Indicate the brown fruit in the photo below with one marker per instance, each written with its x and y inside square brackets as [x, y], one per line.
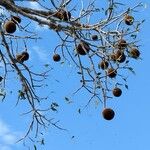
[113, 57]
[122, 44]
[63, 15]
[25, 56]
[19, 58]
[135, 53]
[112, 73]
[129, 20]
[120, 56]
[56, 57]
[16, 19]
[22, 57]
[83, 48]
[117, 92]
[67, 16]
[10, 27]
[104, 65]
[108, 113]
[58, 15]
[94, 37]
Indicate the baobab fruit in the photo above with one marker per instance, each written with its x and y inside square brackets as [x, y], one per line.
[63, 15]
[128, 20]
[25, 56]
[112, 73]
[22, 57]
[19, 58]
[108, 113]
[120, 56]
[117, 92]
[122, 44]
[16, 19]
[66, 15]
[59, 15]
[104, 64]
[10, 27]
[83, 48]
[113, 57]
[94, 37]
[56, 57]
[134, 53]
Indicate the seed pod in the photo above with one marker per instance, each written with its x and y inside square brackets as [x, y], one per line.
[122, 44]
[10, 27]
[113, 57]
[25, 56]
[104, 65]
[120, 56]
[135, 53]
[83, 48]
[129, 20]
[67, 16]
[108, 113]
[56, 57]
[19, 58]
[117, 92]
[94, 37]
[112, 73]
[63, 15]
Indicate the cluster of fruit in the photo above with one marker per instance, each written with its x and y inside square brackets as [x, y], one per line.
[10, 27]
[83, 48]
[119, 55]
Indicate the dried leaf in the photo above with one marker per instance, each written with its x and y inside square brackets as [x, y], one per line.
[126, 86]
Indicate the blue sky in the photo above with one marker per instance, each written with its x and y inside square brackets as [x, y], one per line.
[128, 130]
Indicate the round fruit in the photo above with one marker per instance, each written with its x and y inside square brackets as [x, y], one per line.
[135, 53]
[120, 56]
[113, 57]
[117, 92]
[16, 19]
[108, 113]
[66, 15]
[10, 27]
[56, 57]
[128, 20]
[1, 78]
[19, 58]
[122, 44]
[94, 37]
[59, 15]
[63, 15]
[112, 73]
[104, 65]
[83, 48]
[25, 56]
